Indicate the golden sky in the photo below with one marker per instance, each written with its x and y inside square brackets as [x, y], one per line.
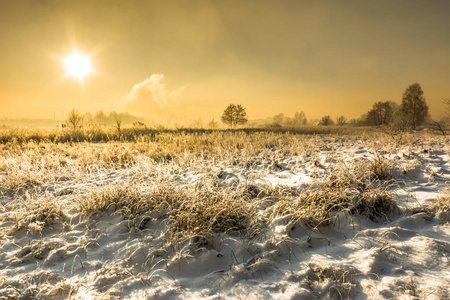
[188, 59]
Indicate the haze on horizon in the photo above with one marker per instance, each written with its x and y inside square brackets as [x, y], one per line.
[184, 60]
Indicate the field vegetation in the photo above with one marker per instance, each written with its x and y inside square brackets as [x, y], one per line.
[138, 212]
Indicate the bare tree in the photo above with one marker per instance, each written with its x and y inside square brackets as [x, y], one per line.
[341, 120]
[414, 107]
[442, 126]
[398, 126]
[447, 102]
[74, 120]
[213, 124]
[300, 118]
[278, 119]
[119, 126]
[326, 121]
[381, 113]
[234, 115]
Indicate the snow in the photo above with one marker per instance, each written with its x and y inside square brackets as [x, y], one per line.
[101, 256]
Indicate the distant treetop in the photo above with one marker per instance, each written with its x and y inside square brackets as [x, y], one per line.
[234, 115]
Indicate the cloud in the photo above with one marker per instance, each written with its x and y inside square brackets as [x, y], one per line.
[154, 89]
[152, 97]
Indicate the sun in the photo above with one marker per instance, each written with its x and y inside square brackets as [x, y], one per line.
[77, 65]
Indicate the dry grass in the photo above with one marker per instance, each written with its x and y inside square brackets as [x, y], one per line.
[101, 134]
[31, 213]
[209, 208]
[178, 185]
[356, 190]
[442, 205]
[209, 211]
[359, 188]
[332, 281]
[190, 210]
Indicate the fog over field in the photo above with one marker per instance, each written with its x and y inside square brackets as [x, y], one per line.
[180, 61]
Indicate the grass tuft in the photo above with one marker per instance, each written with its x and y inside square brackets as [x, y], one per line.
[332, 281]
[377, 204]
[32, 214]
[190, 211]
[208, 211]
[351, 189]
[442, 205]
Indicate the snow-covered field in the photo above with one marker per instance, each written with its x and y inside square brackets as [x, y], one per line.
[259, 216]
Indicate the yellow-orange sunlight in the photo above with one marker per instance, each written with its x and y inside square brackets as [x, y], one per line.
[77, 65]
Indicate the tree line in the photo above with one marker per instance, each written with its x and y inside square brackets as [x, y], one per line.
[411, 113]
[75, 120]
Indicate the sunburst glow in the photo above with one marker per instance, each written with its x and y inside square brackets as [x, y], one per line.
[77, 65]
